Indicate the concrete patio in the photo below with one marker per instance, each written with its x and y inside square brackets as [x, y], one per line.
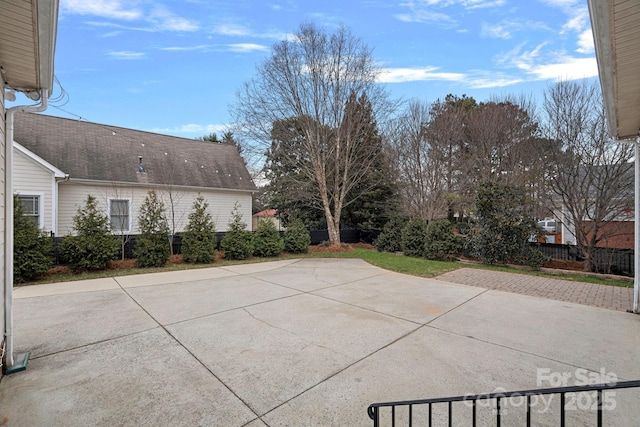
[308, 342]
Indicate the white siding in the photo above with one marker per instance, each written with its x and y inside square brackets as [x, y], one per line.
[2, 210]
[72, 195]
[29, 178]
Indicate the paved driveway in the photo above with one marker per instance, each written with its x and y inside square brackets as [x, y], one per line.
[307, 342]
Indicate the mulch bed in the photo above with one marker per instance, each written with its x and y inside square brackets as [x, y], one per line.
[565, 265]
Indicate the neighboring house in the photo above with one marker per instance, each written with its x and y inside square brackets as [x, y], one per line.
[27, 46]
[59, 162]
[617, 225]
[266, 215]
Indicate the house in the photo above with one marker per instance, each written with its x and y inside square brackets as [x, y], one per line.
[266, 215]
[606, 203]
[27, 46]
[59, 162]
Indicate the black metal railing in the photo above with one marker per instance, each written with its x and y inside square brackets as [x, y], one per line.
[374, 410]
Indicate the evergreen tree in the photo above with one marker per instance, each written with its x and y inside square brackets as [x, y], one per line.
[440, 242]
[373, 200]
[390, 239]
[266, 240]
[199, 239]
[238, 241]
[505, 226]
[297, 238]
[152, 245]
[32, 248]
[414, 237]
[92, 246]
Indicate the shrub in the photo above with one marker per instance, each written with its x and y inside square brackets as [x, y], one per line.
[92, 246]
[505, 227]
[152, 245]
[413, 238]
[32, 248]
[297, 238]
[199, 238]
[440, 242]
[390, 239]
[238, 241]
[266, 240]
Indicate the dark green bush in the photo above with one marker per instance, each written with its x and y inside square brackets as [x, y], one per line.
[440, 242]
[297, 238]
[199, 238]
[266, 239]
[413, 238]
[32, 248]
[238, 241]
[390, 239]
[505, 227]
[92, 246]
[152, 245]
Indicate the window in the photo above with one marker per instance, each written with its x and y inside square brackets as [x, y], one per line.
[120, 214]
[31, 207]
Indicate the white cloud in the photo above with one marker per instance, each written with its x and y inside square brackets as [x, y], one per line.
[403, 75]
[492, 80]
[127, 55]
[159, 16]
[106, 8]
[234, 30]
[585, 42]
[426, 16]
[497, 31]
[429, 11]
[568, 68]
[237, 30]
[186, 48]
[168, 21]
[247, 47]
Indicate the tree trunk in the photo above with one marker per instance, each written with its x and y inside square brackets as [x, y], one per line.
[334, 232]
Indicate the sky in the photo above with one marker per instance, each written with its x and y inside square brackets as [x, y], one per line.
[174, 67]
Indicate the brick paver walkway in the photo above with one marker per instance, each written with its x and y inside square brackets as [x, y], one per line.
[611, 297]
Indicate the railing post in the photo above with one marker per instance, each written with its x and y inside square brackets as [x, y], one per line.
[599, 408]
[561, 409]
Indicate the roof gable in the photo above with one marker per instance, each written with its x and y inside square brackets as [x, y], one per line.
[39, 161]
[91, 151]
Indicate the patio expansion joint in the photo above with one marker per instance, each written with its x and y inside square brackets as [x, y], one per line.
[290, 332]
[418, 327]
[190, 352]
[428, 324]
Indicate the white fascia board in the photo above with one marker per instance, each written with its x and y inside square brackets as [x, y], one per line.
[84, 181]
[57, 173]
[601, 13]
[47, 15]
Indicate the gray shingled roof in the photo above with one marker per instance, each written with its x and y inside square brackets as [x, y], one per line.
[108, 153]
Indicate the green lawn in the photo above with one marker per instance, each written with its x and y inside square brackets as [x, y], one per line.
[394, 262]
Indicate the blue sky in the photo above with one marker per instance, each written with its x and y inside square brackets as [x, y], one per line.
[174, 67]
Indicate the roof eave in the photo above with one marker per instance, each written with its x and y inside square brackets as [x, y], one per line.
[47, 30]
[601, 18]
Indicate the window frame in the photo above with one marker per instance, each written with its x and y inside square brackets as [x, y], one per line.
[129, 214]
[40, 197]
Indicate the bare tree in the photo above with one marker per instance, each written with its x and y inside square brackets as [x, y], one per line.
[119, 202]
[311, 77]
[171, 195]
[591, 176]
[421, 175]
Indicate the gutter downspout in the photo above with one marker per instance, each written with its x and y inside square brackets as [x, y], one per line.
[19, 363]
